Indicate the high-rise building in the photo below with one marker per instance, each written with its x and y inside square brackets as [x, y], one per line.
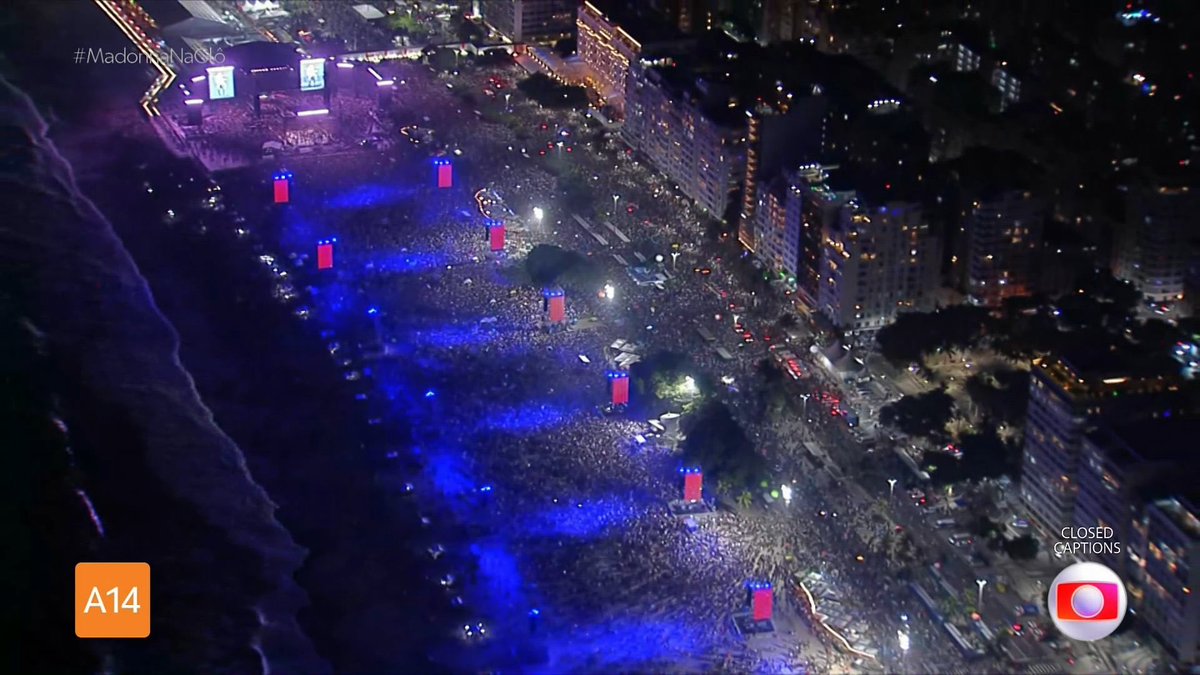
[689, 16]
[1167, 573]
[612, 40]
[682, 123]
[1156, 243]
[820, 202]
[776, 236]
[1120, 464]
[783, 21]
[783, 130]
[995, 225]
[1003, 240]
[880, 258]
[1138, 478]
[530, 20]
[1067, 394]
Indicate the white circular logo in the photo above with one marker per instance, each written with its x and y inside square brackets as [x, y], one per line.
[1087, 601]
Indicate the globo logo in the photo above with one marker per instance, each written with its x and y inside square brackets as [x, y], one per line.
[1087, 601]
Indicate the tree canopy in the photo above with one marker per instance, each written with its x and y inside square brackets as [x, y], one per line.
[551, 94]
[914, 334]
[717, 443]
[984, 455]
[546, 265]
[921, 415]
[1002, 395]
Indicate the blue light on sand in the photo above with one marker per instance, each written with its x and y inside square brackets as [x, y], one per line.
[449, 336]
[405, 261]
[529, 417]
[430, 393]
[500, 574]
[372, 195]
[582, 519]
[448, 472]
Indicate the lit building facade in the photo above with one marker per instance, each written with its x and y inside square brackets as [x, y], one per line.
[530, 20]
[1064, 401]
[875, 263]
[777, 224]
[668, 121]
[608, 51]
[1003, 246]
[1156, 243]
[780, 134]
[1166, 575]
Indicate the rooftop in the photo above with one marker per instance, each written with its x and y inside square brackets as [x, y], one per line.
[637, 20]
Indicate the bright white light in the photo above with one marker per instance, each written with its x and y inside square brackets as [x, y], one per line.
[610, 291]
[584, 358]
[538, 213]
[904, 642]
[786, 491]
[689, 385]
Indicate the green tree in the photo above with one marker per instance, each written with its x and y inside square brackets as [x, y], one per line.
[717, 443]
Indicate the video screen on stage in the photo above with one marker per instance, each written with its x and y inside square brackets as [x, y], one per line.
[312, 74]
[220, 83]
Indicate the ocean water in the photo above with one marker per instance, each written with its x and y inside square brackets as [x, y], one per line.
[161, 481]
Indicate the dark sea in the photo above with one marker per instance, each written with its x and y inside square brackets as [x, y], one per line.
[133, 355]
[115, 455]
[158, 405]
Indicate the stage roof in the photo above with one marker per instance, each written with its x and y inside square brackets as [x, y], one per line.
[194, 19]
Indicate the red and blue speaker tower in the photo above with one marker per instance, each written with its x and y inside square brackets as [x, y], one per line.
[444, 172]
[761, 598]
[554, 304]
[496, 233]
[693, 484]
[283, 187]
[618, 387]
[325, 253]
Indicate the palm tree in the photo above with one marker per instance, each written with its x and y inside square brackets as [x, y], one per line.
[745, 499]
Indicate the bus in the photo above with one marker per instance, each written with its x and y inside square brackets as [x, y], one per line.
[706, 334]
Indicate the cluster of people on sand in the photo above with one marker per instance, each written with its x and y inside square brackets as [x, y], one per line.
[510, 406]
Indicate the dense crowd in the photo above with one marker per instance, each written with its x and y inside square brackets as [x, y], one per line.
[509, 423]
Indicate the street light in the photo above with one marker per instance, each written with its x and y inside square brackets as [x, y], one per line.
[786, 491]
[979, 598]
[616, 198]
[904, 641]
[538, 213]
[891, 487]
[805, 398]
[674, 258]
[610, 291]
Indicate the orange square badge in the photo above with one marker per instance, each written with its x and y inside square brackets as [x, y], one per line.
[112, 600]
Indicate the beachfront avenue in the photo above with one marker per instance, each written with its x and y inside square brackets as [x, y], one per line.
[571, 546]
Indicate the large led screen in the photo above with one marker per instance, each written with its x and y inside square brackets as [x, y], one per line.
[312, 74]
[220, 83]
